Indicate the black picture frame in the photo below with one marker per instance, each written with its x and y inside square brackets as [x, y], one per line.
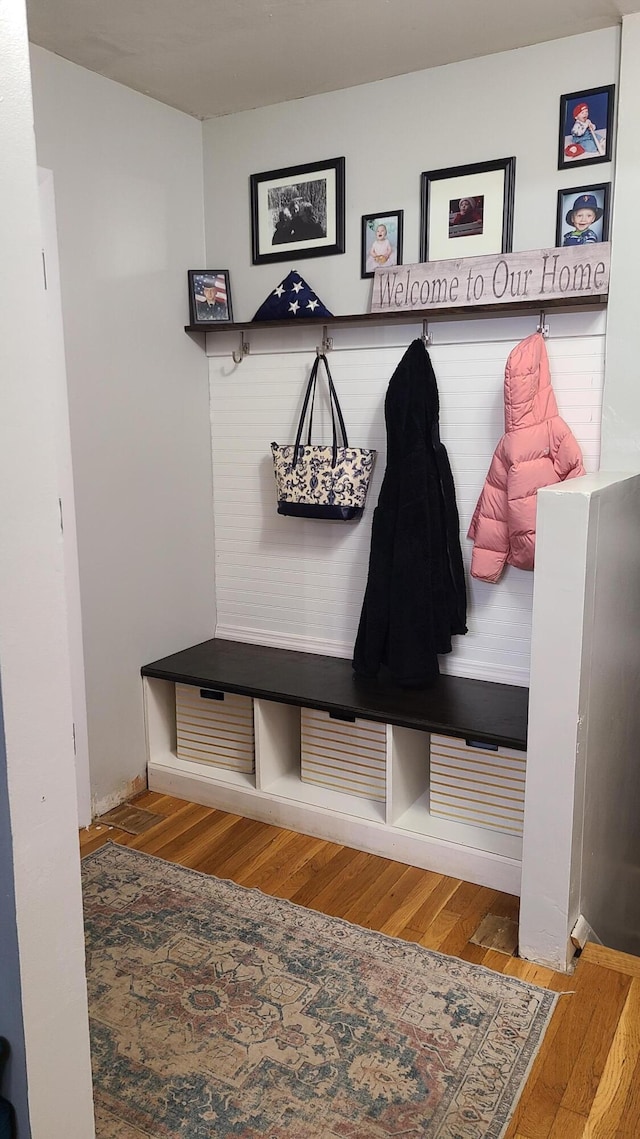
[568, 198]
[393, 221]
[298, 211]
[483, 179]
[600, 103]
[203, 296]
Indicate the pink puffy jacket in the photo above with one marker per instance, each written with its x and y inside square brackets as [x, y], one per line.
[536, 450]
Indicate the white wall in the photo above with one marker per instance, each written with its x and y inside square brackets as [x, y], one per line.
[302, 585]
[57, 373]
[621, 410]
[299, 584]
[610, 711]
[128, 180]
[581, 852]
[551, 842]
[391, 131]
[41, 944]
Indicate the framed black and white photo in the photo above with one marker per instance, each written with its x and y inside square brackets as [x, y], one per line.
[381, 242]
[467, 210]
[298, 211]
[209, 297]
[582, 216]
[586, 127]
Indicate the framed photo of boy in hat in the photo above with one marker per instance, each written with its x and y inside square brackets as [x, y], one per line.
[586, 122]
[583, 215]
[209, 297]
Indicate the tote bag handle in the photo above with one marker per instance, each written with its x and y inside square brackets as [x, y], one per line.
[308, 404]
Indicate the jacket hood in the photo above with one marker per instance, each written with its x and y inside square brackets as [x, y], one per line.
[528, 396]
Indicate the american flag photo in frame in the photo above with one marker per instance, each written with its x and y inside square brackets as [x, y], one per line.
[209, 297]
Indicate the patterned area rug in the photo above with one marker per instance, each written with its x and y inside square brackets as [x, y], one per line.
[218, 1011]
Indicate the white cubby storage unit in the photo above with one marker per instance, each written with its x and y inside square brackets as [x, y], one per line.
[309, 777]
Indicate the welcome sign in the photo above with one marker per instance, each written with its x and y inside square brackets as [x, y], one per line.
[502, 278]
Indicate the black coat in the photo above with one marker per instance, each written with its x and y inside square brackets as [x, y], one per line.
[415, 597]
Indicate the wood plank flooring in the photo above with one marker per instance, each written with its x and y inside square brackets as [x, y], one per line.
[585, 1082]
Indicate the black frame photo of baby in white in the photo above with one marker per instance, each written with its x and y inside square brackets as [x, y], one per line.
[381, 241]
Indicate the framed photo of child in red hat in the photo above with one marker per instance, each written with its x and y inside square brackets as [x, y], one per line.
[586, 127]
[467, 211]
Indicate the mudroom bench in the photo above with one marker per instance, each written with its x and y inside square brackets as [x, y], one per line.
[434, 778]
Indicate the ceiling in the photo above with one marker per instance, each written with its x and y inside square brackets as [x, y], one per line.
[214, 57]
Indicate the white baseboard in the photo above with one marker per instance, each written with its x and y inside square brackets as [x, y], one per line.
[474, 670]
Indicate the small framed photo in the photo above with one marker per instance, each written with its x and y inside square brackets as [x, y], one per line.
[209, 297]
[468, 210]
[586, 122]
[381, 241]
[583, 215]
[298, 211]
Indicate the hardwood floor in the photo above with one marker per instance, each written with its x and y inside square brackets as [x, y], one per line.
[585, 1083]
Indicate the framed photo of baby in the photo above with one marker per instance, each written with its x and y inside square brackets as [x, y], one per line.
[583, 215]
[586, 122]
[381, 241]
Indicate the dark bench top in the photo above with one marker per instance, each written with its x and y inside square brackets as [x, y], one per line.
[474, 709]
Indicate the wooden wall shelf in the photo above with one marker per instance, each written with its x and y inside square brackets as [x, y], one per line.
[467, 312]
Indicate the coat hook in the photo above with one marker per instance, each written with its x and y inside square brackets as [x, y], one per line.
[327, 343]
[426, 335]
[244, 350]
[543, 327]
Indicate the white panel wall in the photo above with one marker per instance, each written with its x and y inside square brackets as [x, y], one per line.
[300, 584]
[128, 179]
[391, 131]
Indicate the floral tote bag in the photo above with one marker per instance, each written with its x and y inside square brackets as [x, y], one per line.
[316, 481]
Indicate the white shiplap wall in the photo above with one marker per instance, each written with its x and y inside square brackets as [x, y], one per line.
[299, 584]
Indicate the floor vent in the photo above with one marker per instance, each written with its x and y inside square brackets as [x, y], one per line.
[497, 933]
[134, 820]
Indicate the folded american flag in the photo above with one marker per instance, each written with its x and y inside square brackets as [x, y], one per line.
[293, 298]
